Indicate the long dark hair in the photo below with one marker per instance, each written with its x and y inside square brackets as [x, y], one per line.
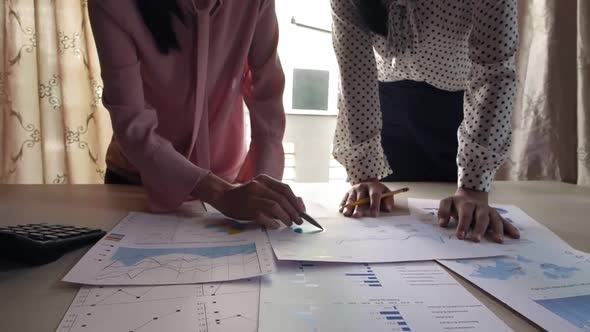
[157, 16]
[374, 14]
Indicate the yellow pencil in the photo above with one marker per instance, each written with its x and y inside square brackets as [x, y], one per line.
[368, 200]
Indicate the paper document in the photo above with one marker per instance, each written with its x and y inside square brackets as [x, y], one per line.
[542, 277]
[421, 296]
[374, 240]
[216, 307]
[550, 288]
[148, 249]
[532, 233]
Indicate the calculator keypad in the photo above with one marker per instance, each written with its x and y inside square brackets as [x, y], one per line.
[47, 232]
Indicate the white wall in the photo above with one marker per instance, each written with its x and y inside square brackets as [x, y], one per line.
[312, 136]
[308, 49]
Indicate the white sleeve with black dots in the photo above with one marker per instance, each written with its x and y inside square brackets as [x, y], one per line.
[357, 141]
[485, 134]
[455, 45]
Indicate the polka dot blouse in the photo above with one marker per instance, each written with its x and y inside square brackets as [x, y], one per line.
[451, 44]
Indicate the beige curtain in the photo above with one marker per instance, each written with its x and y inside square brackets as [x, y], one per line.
[552, 114]
[53, 128]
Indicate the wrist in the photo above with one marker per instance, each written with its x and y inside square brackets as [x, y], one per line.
[211, 188]
[364, 181]
[476, 194]
[475, 180]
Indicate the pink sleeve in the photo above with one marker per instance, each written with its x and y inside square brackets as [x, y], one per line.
[264, 98]
[167, 175]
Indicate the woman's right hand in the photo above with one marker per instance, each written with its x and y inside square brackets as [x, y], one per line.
[371, 189]
[262, 200]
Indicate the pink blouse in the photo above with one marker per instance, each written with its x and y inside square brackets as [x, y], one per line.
[179, 116]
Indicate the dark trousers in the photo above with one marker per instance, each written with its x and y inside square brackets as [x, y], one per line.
[419, 135]
[111, 177]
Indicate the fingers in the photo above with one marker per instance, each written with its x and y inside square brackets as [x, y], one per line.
[375, 196]
[283, 206]
[284, 190]
[444, 212]
[477, 215]
[387, 204]
[362, 193]
[301, 204]
[482, 221]
[465, 214]
[266, 221]
[343, 202]
[496, 227]
[511, 230]
[274, 210]
[352, 196]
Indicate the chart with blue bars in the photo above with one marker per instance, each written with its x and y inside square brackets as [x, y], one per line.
[368, 277]
[395, 315]
[318, 296]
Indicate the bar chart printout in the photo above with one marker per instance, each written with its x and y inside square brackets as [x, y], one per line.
[310, 296]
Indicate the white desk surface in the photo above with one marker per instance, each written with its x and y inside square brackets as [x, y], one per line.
[34, 298]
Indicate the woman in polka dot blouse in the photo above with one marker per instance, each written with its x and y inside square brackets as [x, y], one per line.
[427, 89]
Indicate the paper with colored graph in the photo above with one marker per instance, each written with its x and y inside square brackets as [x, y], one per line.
[149, 249]
[308, 296]
[211, 307]
[541, 277]
[374, 240]
[532, 232]
[548, 287]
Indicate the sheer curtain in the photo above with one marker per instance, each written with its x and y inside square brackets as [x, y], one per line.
[552, 114]
[53, 128]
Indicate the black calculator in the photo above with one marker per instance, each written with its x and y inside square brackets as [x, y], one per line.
[43, 243]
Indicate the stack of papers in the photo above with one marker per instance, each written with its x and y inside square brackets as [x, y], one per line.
[204, 272]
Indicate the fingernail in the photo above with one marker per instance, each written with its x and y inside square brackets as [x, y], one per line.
[478, 238]
[461, 235]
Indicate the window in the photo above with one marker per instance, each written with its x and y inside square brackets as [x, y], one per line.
[337, 171]
[307, 56]
[310, 89]
[289, 174]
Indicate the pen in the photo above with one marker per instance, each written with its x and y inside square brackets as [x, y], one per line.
[310, 220]
[368, 200]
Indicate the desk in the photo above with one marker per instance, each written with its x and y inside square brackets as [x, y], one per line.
[34, 299]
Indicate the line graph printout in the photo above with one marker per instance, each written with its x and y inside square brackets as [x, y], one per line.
[421, 296]
[374, 240]
[147, 249]
[211, 307]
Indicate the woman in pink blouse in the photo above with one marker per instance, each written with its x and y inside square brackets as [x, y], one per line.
[176, 75]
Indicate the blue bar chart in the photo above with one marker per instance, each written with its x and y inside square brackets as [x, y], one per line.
[395, 315]
[366, 277]
[316, 297]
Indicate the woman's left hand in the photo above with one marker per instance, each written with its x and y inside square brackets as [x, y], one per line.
[472, 211]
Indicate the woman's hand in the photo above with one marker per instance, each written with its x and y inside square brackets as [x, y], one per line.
[372, 189]
[472, 211]
[262, 200]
